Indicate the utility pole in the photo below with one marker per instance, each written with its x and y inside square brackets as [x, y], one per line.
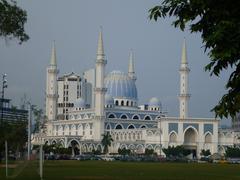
[6, 153]
[41, 160]
[29, 129]
[4, 85]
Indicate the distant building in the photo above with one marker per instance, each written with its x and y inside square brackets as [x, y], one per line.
[70, 87]
[10, 113]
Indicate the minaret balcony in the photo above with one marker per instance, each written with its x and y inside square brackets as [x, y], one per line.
[184, 95]
[184, 69]
[101, 61]
[97, 89]
[52, 96]
[53, 70]
[99, 117]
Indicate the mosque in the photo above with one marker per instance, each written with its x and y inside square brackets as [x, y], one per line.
[80, 110]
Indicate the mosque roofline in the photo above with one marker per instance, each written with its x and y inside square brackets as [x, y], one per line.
[189, 119]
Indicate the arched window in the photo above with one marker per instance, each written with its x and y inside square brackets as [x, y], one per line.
[173, 138]
[111, 116]
[208, 138]
[135, 117]
[143, 127]
[119, 127]
[123, 116]
[127, 103]
[131, 103]
[122, 103]
[108, 127]
[131, 127]
[116, 102]
[147, 118]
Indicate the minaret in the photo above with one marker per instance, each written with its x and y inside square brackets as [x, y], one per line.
[51, 87]
[184, 96]
[131, 72]
[100, 90]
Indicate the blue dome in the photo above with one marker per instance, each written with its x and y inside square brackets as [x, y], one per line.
[79, 103]
[120, 85]
[154, 102]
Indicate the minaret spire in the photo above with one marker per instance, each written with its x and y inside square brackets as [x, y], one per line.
[184, 53]
[184, 96]
[51, 87]
[100, 90]
[131, 71]
[53, 61]
[100, 49]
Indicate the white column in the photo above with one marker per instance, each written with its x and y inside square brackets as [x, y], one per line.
[100, 90]
[184, 96]
[51, 88]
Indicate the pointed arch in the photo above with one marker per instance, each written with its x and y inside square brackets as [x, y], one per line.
[208, 137]
[131, 126]
[136, 116]
[112, 116]
[173, 137]
[124, 116]
[118, 126]
[143, 126]
[147, 117]
[190, 135]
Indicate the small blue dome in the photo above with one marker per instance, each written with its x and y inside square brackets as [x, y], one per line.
[120, 85]
[80, 103]
[154, 102]
[109, 100]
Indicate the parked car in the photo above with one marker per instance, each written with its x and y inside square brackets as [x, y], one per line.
[234, 160]
[107, 158]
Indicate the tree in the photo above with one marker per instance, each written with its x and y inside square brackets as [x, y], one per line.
[205, 152]
[219, 26]
[149, 152]
[178, 151]
[12, 20]
[233, 152]
[124, 151]
[106, 141]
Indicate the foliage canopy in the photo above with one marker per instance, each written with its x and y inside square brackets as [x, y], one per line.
[218, 23]
[12, 20]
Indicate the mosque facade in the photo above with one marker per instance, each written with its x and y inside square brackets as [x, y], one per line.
[80, 110]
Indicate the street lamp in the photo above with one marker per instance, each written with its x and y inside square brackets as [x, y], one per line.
[4, 85]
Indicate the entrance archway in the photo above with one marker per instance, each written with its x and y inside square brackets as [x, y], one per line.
[75, 147]
[190, 141]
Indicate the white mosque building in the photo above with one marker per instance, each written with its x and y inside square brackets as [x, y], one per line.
[80, 110]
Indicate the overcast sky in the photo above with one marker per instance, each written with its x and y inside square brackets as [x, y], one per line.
[74, 25]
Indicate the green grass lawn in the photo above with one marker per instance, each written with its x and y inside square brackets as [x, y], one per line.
[91, 170]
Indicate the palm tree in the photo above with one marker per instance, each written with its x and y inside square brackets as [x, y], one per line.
[106, 141]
